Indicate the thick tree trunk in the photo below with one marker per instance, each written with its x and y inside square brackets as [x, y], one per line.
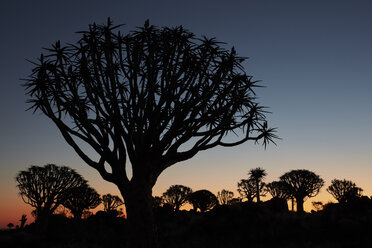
[300, 205]
[141, 225]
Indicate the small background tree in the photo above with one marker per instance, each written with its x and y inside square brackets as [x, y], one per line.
[10, 225]
[203, 200]
[247, 189]
[23, 221]
[302, 184]
[344, 190]
[111, 203]
[257, 175]
[176, 196]
[46, 188]
[80, 199]
[225, 197]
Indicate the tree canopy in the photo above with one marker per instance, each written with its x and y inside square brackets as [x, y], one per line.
[111, 202]
[257, 175]
[203, 200]
[45, 188]
[344, 190]
[225, 197]
[176, 196]
[302, 184]
[80, 199]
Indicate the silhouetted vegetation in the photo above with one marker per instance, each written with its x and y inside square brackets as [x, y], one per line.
[80, 199]
[225, 197]
[302, 184]
[176, 196]
[140, 97]
[257, 175]
[344, 190]
[247, 189]
[46, 188]
[203, 200]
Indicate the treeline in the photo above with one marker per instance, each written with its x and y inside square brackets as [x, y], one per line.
[295, 186]
[221, 220]
[49, 187]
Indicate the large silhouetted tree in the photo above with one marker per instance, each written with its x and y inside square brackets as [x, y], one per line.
[225, 197]
[176, 196]
[45, 188]
[302, 184]
[80, 199]
[344, 190]
[140, 97]
[203, 200]
[257, 175]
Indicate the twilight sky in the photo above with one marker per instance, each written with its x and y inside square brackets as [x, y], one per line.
[314, 57]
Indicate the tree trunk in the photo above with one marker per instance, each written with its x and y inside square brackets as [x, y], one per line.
[300, 205]
[258, 191]
[141, 225]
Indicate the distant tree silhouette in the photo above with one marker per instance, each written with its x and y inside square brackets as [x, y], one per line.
[247, 189]
[111, 202]
[203, 200]
[10, 225]
[277, 189]
[344, 190]
[140, 97]
[23, 221]
[46, 188]
[176, 196]
[318, 205]
[157, 201]
[258, 174]
[302, 184]
[80, 199]
[225, 197]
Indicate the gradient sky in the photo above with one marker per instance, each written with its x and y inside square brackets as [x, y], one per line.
[314, 57]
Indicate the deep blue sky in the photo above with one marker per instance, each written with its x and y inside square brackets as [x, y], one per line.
[313, 56]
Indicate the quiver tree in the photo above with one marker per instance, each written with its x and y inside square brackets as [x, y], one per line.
[247, 189]
[278, 189]
[80, 199]
[344, 190]
[141, 97]
[203, 200]
[176, 196]
[46, 188]
[225, 197]
[23, 221]
[111, 202]
[257, 175]
[302, 184]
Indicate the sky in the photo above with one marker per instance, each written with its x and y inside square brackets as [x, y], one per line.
[313, 57]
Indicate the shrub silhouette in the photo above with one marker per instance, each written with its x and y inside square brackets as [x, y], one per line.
[140, 97]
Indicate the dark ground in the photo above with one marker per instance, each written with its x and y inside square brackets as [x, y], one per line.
[242, 225]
